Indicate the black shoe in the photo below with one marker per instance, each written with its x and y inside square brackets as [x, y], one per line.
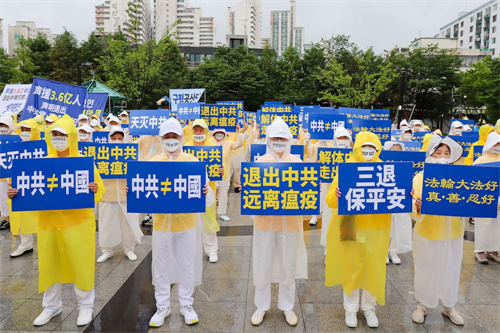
[5, 225]
[236, 190]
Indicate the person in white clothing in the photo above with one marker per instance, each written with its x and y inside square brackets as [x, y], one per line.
[6, 128]
[456, 128]
[85, 133]
[406, 133]
[83, 119]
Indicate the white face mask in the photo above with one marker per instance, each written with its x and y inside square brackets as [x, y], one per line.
[323, 142]
[416, 129]
[83, 137]
[343, 143]
[219, 136]
[171, 145]
[4, 131]
[25, 136]
[115, 141]
[495, 150]
[407, 136]
[439, 160]
[199, 138]
[368, 153]
[60, 143]
[279, 146]
[458, 131]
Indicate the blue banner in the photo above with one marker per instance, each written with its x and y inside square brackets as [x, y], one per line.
[259, 150]
[375, 188]
[465, 142]
[211, 156]
[51, 97]
[166, 187]
[220, 116]
[305, 111]
[5, 138]
[178, 96]
[280, 189]
[100, 137]
[291, 119]
[110, 159]
[464, 121]
[411, 146]
[381, 128]
[378, 114]
[322, 126]
[396, 134]
[329, 158]
[147, 122]
[53, 184]
[188, 111]
[95, 104]
[249, 115]
[418, 136]
[460, 190]
[239, 109]
[352, 114]
[11, 152]
[271, 103]
[416, 157]
[477, 152]
[474, 135]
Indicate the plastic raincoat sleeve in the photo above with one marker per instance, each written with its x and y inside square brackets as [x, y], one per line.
[239, 141]
[483, 135]
[417, 188]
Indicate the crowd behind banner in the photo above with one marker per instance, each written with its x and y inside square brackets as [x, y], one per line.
[379, 189]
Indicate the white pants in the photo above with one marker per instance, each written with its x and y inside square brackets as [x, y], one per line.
[351, 303]
[210, 244]
[222, 192]
[487, 235]
[4, 208]
[26, 241]
[116, 227]
[52, 298]
[286, 298]
[393, 246]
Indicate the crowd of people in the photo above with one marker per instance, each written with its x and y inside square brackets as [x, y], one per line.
[357, 247]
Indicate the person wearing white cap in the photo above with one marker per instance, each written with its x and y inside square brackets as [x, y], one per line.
[278, 249]
[406, 133]
[487, 231]
[116, 226]
[456, 128]
[85, 133]
[6, 128]
[220, 135]
[401, 226]
[403, 122]
[83, 119]
[94, 124]
[437, 243]
[124, 117]
[416, 125]
[177, 252]
[112, 121]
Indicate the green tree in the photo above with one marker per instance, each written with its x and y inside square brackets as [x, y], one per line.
[64, 58]
[91, 50]
[23, 65]
[6, 68]
[40, 55]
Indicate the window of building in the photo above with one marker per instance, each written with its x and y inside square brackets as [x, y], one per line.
[494, 29]
[471, 29]
[472, 18]
[461, 33]
[494, 18]
[493, 40]
[462, 24]
[470, 39]
[495, 7]
[461, 43]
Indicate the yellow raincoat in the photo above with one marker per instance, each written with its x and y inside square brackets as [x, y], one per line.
[357, 250]
[24, 221]
[210, 215]
[66, 238]
[188, 132]
[426, 141]
[483, 135]
[497, 127]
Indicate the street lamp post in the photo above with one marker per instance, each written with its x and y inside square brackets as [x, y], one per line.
[80, 71]
[401, 94]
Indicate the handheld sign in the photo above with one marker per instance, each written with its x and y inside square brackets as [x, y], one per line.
[188, 111]
[147, 122]
[416, 157]
[53, 184]
[322, 126]
[211, 155]
[381, 128]
[258, 150]
[478, 152]
[329, 158]
[220, 116]
[14, 97]
[11, 153]
[100, 137]
[95, 104]
[111, 159]
[465, 141]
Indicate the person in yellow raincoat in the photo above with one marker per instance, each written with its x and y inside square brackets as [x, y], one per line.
[124, 118]
[23, 223]
[487, 230]
[6, 128]
[357, 245]
[49, 120]
[278, 249]
[201, 137]
[66, 238]
[437, 243]
[497, 126]
[483, 135]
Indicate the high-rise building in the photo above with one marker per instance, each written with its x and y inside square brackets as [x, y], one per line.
[191, 27]
[284, 33]
[112, 16]
[476, 29]
[246, 20]
[27, 30]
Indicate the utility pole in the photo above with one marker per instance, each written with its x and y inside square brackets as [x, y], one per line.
[401, 94]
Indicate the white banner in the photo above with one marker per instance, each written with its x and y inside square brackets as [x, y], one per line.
[13, 98]
[178, 96]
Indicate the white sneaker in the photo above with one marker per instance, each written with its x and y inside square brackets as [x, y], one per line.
[371, 318]
[84, 316]
[314, 220]
[131, 256]
[291, 318]
[387, 261]
[104, 257]
[19, 252]
[213, 258]
[257, 318]
[46, 316]
[159, 317]
[351, 320]
[395, 259]
[225, 218]
[190, 316]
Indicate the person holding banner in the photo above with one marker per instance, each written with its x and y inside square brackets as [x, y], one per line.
[83, 119]
[6, 128]
[50, 119]
[66, 238]
[437, 244]
[484, 131]
[24, 223]
[403, 123]
[358, 246]
[220, 136]
[201, 137]
[406, 134]
[85, 133]
[487, 231]
[177, 253]
[96, 127]
[278, 250]
[124, 118]
[456, 128]
[116, 226]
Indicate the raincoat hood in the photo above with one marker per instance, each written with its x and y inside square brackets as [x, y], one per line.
[403, 123]
[7, 120]
[339, 132]
[416, 122]
[405, 129]
[497, 126]
[484, 131]
[426, 141]
[278, 129]
[68, 125]
[172, 125]
[203, 124]
[219, 130]
[389, 144]
[454, 125]
[455, 149]
[35, 128]
[361, 139]
[493, 139]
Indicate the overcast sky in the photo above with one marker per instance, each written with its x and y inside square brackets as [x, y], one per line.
[381, 24]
